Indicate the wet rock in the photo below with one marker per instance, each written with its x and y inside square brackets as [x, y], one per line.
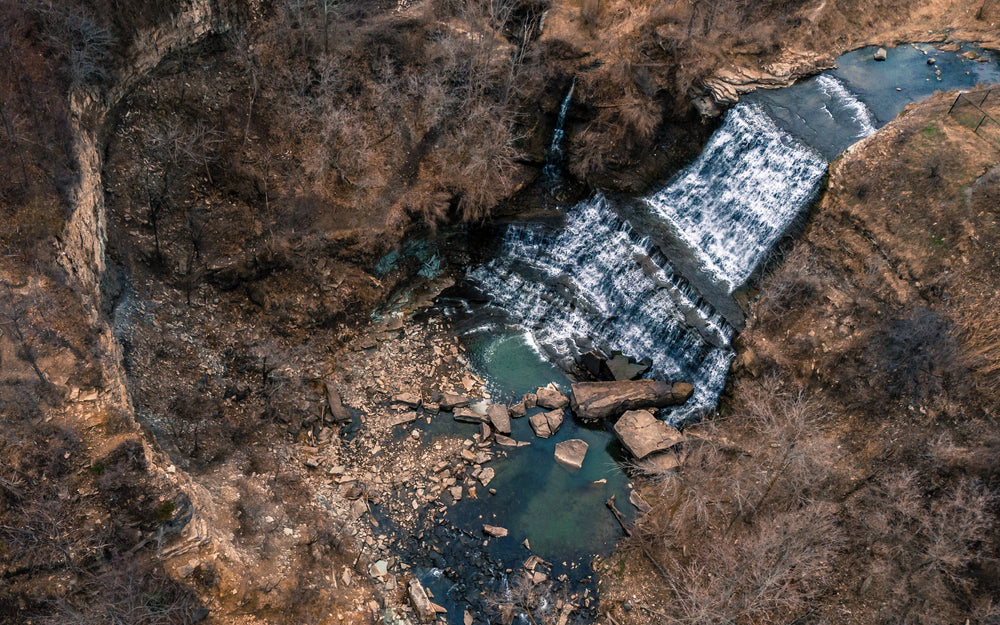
[643, 434]
[450, 401]
[484, 432]
[486, 476]
[411, 400]
[421, 604]
[499, 418]
[402, 418]
[517, 411]
[431, 408]
[465, 415]
[622, 368]
[555, 419]
[495, 531]
[338, 413]
[530, 400]
[570, 453]
[931, 61]
[881, 54]
[505, 441]
[540, 425]
[550, 398]
[456, 493]
[601, 400]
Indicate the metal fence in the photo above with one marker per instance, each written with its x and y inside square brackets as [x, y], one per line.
[979, 110]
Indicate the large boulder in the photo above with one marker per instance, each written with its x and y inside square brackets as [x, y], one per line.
[450, 401]
[570, 453]
[546, 424]
[550, 398]
[592, 401]
[881, 54]
[643, 434]
[499, 418]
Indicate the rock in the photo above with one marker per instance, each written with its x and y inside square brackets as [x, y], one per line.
[622, 368]
[505, 441]
[539, 577]
[540, 425]
[931, 60]
[484, 432]
[518, 410]
[550, 398]
[431, 408]
[421, 604]
[338, 412]
[380, 569]
[456, 493]
[465, 415]
[547, 423]
[499, 418]
[450, 401]
[971, 55]
[507, 613]
[467, 618]
[468, 455]
[571, 453]
[486, 476]
[600, 400]
[592, 362]
[495, 531]
[636, 500]
[643, 434]
[402, 418]
[658, 464]
[530, 400]
[881, 54]
[407, 399]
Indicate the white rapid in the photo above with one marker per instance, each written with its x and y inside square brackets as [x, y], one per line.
[838, 92]
[736, 200]
[597, 282]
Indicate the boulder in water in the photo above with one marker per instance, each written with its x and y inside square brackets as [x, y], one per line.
[547, 423]
[499, 418]
[601, 400]
[622, 368]
[495, 531]
[518, 410]
[464, 415]
[643, 434]
[550, 398]
[450, 401]
[881, 54]
[570, 453]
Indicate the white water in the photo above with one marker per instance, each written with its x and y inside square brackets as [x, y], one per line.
[554, 157]
[597, 280]
[736, 200]
[860, 113]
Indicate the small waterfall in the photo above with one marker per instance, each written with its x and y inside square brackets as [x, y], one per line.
[838, 92]
[734, 202]
[554, 157]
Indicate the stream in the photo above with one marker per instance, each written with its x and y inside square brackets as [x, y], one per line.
[653, 277]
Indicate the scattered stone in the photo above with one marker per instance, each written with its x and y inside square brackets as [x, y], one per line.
[640, 504]
[402, 418]
[495, 531]
[499, 418]
[881, 54]
[450, 401]
[486, 476]
[971, 55]
[456, 493]
[570, 453]
[468, 455]
[931, 60]
[643, 434]
[484, 432]
[431, 408]
[550, 398]
[312, 463]
[415, 435]
[467, 618]
[601, 400]
[539, 577]
[518, 410]
[380, 569]
[530, 400]
[507, 613]
[411, 400]
[505, 441]
[421, 604]
[338, 413]
[465, 415]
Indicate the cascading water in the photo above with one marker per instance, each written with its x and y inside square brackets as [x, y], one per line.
[552, 170]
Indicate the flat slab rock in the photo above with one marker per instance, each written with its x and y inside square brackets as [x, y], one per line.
[570, 453]
[643, 434]
[592, 401]
[499, 418]
[546, 424]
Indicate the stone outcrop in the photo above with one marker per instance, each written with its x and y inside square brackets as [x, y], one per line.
[643, 434]
[592, 401]
[570, 453]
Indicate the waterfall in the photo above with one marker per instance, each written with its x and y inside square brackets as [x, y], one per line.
[735, 201]
[599, 282]
[554, 155]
